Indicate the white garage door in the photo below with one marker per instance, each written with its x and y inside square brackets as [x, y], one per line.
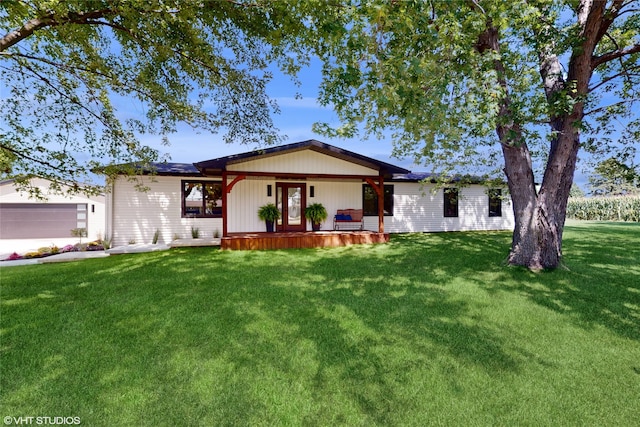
[39, 221]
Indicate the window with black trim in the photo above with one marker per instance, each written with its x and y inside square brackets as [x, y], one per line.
[495, 202]
[370, 200]
[201, 199]
[450, 202]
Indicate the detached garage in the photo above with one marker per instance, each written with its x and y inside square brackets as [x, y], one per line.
[27, 224]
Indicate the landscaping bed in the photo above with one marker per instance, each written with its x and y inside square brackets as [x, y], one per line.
[47, 251]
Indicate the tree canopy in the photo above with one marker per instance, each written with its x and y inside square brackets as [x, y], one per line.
[487, 83]
[83, 80]
[423, 69]
[514, 85]
[611, 177]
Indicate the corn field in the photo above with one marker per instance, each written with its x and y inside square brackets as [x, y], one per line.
[619, 208]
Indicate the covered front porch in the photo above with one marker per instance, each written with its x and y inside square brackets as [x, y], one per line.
[293, 177]
[308, 239]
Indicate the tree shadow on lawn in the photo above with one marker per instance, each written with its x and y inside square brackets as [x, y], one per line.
[328, 325]
[356, 329]
[597, 284]
[336, 328]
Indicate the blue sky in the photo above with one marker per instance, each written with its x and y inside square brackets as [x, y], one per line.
[295, 120]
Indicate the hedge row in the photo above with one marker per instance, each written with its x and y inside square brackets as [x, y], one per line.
[620, 208]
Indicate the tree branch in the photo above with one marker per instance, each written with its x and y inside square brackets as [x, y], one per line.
[72, 70]
[615, 76]
[608, 17]
[67, 97]
[610, 56]
[50, 20]
[33, 159]
[597, 110]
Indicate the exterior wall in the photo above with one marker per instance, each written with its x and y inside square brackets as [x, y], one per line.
[336, 195]
[134, 216]
[306, 162]
[249, 194]
[137, 215]
[417, 209]
[95, 217]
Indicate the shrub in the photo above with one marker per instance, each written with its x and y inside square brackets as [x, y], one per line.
[32, 254]
[79, 232]
[106, 243]
[13, 257]
[195, 232]
[67, 248]
[44, 251]
[94, 246]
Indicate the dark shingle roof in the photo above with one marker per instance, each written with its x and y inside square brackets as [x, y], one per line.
[434, 177]
[175, 169]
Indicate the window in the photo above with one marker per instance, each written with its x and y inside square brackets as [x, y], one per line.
[450, 202]
[370, 200]
[201, 199]
[495, 202]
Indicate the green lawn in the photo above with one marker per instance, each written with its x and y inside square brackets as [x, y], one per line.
[426, 330]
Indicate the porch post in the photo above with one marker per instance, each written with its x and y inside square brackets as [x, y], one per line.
[224, 204]
[381, 204]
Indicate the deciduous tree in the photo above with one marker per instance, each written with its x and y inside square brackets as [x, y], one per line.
[478, 82]
[611, 177]
[81, 80]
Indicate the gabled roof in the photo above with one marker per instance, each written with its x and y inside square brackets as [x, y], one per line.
[220, 164]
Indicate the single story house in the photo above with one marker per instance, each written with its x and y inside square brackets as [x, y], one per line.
[27, 223]
[220, 197]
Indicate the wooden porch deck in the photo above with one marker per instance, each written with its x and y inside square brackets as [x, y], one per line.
[307, 239]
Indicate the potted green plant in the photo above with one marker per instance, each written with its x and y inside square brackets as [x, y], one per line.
[316, 213]
[269, 213]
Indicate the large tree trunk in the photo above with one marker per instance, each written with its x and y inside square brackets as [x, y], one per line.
[539, 220]
[540, 213]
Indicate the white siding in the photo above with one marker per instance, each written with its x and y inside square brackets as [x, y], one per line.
[249, 194]
[135, 215]
[416, 208]
[305, 162]
[243, 203]
[336, 195]
[95, 216]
